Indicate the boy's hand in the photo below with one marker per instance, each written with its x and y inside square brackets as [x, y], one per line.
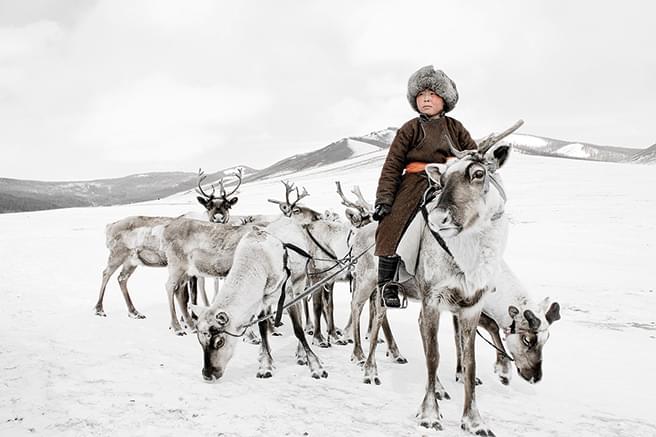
[381, 211]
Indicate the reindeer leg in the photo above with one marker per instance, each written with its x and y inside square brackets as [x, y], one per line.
[502, 367]
[329, 313]
[192, 286]
[317, 304]
[458, 340]
[370, 366]
[202, 292]
[173, 284]
[266, 361]
[306, 311]
[429, 319]
[471, 418]
[216, 288]
[372, 315]
[123, 277]
[113, 263]
[316, 369]
[183, 297]
[392, 347]
[357, 304]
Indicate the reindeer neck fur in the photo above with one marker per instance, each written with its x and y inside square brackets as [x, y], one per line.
[476, 253]
[509, 290]
[255, 280]
[332, 235]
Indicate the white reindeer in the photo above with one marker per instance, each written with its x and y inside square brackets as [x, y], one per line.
[455, 276]
[253, 285]
[510, 310]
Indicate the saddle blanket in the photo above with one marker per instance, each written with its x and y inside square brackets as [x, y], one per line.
[408, 248]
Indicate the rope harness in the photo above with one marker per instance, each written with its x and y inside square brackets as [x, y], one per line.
[345, 263]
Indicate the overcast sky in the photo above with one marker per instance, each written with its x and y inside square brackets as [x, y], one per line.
[94, 89]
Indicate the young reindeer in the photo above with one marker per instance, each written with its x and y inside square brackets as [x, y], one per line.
[459, 260]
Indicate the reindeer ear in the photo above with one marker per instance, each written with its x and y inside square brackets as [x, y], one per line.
[233, 200]
[532, 320]
[353, 216]
[202, 201]
[435, 171]
[513, 311]
[497, 156]
[553, 313]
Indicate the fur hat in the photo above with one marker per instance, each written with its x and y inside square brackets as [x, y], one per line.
[429, 78]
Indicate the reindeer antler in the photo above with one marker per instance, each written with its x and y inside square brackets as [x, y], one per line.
[361, 205]
[201, 177]
[486, 143]
[492, 139]
[361, 200]
[238, 173]
[287, 207]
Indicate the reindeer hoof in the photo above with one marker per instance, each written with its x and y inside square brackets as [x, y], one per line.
[368, 380]
[319, 374]
[401, 360]
[341, 342]
[136, 315]
[276, 334]
[440, 395]
[264, 374]
[478, 430]
[433, 424]
[504, 380]
[301, 361]
[349, 340]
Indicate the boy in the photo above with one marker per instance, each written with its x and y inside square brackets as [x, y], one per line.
[402, 181]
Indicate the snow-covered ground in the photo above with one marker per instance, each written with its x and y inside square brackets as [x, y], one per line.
[581, 232]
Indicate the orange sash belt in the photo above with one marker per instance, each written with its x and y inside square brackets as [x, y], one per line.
[415, 167]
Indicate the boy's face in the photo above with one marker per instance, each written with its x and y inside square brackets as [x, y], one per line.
[429, 103]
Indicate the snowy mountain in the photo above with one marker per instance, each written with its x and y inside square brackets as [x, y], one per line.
[25, 195]
[536, 145]
[19, 195]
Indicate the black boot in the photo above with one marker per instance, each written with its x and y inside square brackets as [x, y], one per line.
[387, 266]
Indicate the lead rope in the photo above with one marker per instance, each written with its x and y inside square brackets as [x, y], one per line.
[306, 292]
[501, 351]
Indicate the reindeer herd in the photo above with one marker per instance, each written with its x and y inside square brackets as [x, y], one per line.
[270, 264]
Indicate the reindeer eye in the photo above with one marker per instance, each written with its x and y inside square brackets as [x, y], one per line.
[526, 340]
[478, 174]
[218, 342]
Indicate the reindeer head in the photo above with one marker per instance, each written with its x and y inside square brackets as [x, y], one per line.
[527, 336]
[290, 207]
[358, 212]
[218, 207]
[218, 347]
[471, 194]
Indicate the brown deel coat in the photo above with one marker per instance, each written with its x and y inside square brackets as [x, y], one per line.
[419, 140]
